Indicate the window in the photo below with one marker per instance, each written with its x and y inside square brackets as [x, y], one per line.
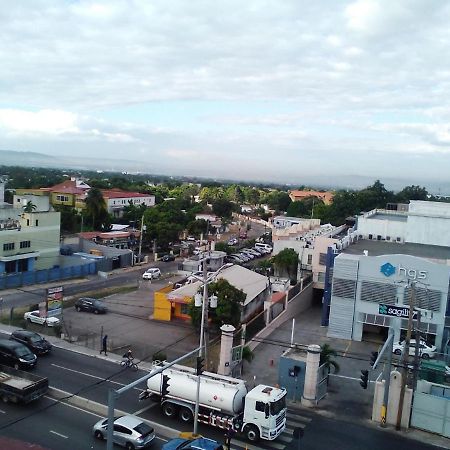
[323, 259]
[309, 259]
[25, 244]
[184, 308]
[8, 247]
[62, 198]
[260, 406]
[37, 222]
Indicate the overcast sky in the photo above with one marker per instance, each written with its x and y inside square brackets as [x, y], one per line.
[273, 90]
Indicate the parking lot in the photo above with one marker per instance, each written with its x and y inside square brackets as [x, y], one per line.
[129, 323]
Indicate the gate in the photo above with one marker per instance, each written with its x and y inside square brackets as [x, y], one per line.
[431, 412]
[322, 382]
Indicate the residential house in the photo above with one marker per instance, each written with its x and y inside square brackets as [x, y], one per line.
[116, 200]
[172, 304]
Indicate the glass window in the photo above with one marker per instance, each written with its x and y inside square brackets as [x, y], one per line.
[278, 406]
[260, 406]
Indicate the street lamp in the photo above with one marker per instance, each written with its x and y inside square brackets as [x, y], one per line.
[202, 300]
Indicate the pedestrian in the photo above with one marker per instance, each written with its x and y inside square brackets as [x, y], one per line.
[228, 435]
[104, 344]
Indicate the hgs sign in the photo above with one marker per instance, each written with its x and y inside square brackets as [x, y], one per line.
[388, 269]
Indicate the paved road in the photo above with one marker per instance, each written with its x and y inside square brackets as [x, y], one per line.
[30, 295]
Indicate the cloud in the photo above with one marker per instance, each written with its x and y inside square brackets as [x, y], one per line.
[250, 80]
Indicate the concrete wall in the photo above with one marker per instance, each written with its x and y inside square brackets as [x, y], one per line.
[384, 228]
[296, 305]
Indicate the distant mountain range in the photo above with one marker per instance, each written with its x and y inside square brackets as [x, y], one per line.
[35, 159]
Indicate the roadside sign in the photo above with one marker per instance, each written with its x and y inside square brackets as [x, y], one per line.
[395, 311]
[236, 353]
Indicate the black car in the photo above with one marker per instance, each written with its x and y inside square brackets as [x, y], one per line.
[167, 258]
[90, 305]
[34, 341]
[16, 355]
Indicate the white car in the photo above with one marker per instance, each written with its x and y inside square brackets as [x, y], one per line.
[34, 317]
[151, 273]
[425, 351]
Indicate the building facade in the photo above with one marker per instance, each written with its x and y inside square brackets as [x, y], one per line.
[362, 282]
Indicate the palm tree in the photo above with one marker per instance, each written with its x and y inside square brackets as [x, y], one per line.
[29, 207]
[95, 206]
[326, 358]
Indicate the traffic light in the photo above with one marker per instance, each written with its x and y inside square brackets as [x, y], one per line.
[373, 358]
[165, 385]
[200, 362]
[364, 378]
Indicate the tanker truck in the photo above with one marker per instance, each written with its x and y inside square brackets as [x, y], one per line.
[224, 402]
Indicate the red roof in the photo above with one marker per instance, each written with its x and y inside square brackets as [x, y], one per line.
[117, 193]
[66, 187]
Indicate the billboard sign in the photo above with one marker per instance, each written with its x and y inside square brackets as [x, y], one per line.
[395, 311]
[54, 301]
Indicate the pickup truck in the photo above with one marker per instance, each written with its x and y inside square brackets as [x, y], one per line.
[17, 386]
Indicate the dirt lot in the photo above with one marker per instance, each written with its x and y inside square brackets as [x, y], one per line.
[128, 323]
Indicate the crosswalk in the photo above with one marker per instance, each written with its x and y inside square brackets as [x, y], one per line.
[296, 418]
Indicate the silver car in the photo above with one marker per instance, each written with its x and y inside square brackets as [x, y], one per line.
[130, 432]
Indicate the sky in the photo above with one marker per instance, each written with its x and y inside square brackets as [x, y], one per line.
[257, 90]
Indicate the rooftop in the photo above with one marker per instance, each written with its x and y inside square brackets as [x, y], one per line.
[250, 282]
[391, 217]
[378, 248]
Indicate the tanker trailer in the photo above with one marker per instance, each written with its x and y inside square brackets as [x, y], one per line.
[224, 402]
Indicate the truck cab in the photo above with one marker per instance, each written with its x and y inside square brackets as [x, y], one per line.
[264, 413]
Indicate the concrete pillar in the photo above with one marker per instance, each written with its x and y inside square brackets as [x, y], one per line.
[309, 397]
[226, 345]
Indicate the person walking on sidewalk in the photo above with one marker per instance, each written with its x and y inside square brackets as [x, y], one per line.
[104, 344]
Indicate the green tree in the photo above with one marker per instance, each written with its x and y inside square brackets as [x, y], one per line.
[326, 357]
[229, 305]
[96, 210]
[29, 207]
[223, 208]
[287, 261]
[197, 227]
[412, 193]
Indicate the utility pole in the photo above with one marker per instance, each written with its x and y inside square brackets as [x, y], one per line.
[387, 378]
[140, 237]
[416, 350]
[405, 355]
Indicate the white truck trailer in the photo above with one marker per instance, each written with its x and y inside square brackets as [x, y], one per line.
[223, 402]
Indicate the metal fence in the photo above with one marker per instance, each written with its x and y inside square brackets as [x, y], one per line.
[16, 280]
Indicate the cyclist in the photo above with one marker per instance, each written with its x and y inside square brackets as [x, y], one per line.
[129, 356]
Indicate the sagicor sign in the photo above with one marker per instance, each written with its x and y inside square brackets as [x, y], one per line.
[394, 311]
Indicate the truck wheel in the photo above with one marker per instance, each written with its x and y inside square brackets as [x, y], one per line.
[169, 410]
[16, 366]
[77, 308]
[185, 415]
[252, 433]
[425, 356]
[398, 352]
[99, 435]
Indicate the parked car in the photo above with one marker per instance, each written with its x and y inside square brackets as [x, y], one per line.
[244, 257]
[151, 273]
[90, 305]
[253, 252]
[232, 241]
[167, 258]
[35, 317]
[34, 341]
[425, 351]
[16, 355]
[197, 444]
[130, 432]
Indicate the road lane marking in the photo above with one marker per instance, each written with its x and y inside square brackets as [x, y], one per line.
[2, 412]
[74, 407]
[93, 376]
[146, 408]
[347, 348]
[348, 378]
[59, 434]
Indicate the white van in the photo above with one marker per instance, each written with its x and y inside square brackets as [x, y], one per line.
[265, 247]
